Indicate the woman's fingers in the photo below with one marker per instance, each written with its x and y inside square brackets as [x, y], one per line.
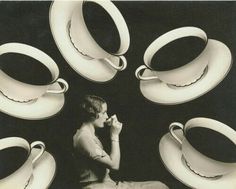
[115, 123]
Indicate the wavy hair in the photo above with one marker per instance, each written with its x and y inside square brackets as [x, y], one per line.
[90, 106]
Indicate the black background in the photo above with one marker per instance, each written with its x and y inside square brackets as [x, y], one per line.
[144, 122]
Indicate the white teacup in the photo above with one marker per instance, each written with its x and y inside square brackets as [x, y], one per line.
[23, 92]
[198, 162]
[180, 76]
[20, 178]
[85, 43]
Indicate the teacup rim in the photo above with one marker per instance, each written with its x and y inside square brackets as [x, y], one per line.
[148, 63]
[56, 72]
[189, 125]
[180, 67]
[124, 44]
[27, 159]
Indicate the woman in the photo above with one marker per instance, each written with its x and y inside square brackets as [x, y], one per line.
[93, 163]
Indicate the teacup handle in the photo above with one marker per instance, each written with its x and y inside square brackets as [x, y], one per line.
[140, 77]
[171, 129]
[42, 149]
[64, 88]
[121, 67]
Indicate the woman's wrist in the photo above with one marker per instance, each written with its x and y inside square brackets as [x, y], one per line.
[115, 138]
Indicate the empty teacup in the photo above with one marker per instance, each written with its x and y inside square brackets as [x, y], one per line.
[197, 161]
[20, 169]
[24, 92]
[86, 44]
[180, 76]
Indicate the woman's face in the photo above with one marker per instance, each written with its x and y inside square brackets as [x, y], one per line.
[102, 117]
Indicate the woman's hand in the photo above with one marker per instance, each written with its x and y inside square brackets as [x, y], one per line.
[116, 127]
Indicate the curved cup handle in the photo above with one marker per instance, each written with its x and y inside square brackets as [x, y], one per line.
[59, 91]
[171, 129]
[140, 77]
[121, 67]
[42, 149]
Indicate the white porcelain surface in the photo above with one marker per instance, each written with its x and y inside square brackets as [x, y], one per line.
[44, 107]
[171, 155]
[19, 178]
[220, 60]
[182, 75]
[94, 70]
[84, 40]
[43, 172]
[206, 166]
[20, 91]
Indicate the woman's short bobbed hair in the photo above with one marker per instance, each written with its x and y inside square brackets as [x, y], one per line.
[90, 106]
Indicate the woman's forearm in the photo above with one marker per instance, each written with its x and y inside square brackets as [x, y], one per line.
[115, 152]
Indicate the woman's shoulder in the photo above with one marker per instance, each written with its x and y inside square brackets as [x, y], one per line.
[85, 143]
[80, 134]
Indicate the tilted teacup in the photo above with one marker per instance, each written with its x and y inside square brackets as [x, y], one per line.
[183, 75]
[20, 178]
[195, 160]
[85, 43]
[24, 92]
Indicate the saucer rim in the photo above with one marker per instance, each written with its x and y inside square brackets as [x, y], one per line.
[54, 111]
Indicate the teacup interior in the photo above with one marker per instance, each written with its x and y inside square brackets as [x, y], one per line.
[105, 34]
[177, 53]
[11, 159]
[212, 144]
[25, 69]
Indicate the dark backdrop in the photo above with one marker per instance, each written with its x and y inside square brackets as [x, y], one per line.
[144, 122]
